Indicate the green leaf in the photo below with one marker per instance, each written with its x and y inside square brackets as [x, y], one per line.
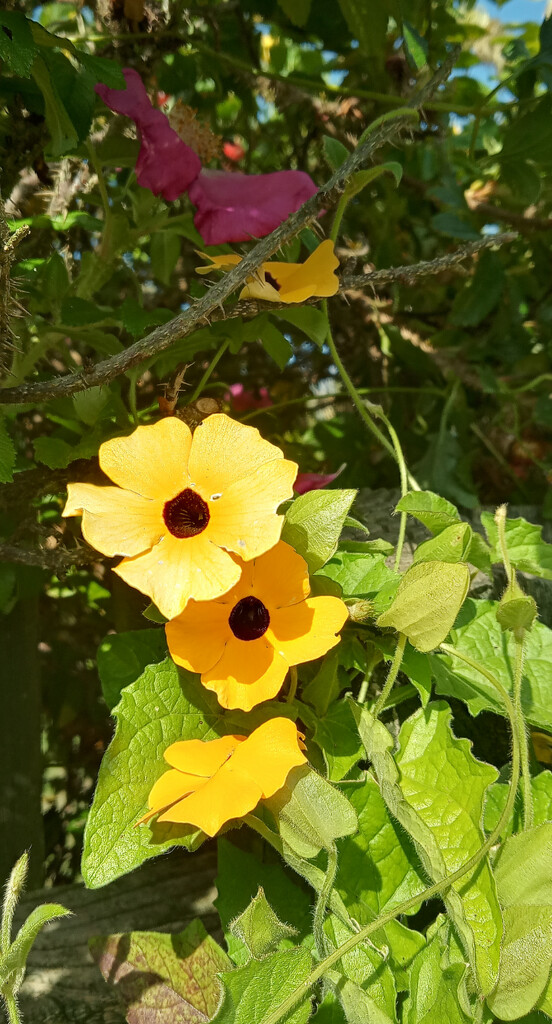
[361, 179]
[102, 69]
[296, 10]
[451, 545]
[166, 979]
[415, 665]
[57, 454]
[479, 635]
[430, 509]
[337, 735]
[527, 550]
[529, 136]
[240, 874]
[416, 46]
[335, 152]
[123, 657]
[365, 983]
[14, 960]
[432, 998]
[308, 319]
[163, 705]
[63, 134]
[89, 404]
[17, 46]
[7, 454]
[359, 574]
[136, 320]
[276, 345]
[525, 891]
[443, 468]
[314, 522]
[257, 989]
[367, 23]
[74, 88]
[260, 928]
[327, 683]
[164, 250]
[433, 769]
[541, 789]
[77, 312]
[310, 812]
[427, 602]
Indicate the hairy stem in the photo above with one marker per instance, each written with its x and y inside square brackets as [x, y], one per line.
[522, 736]
[12, 1009]
[218, 355]
[322, 902]
[391, 676]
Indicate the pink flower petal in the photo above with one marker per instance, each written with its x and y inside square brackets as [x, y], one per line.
[165, 165]
[314, 481]
[242, 400]
[234, 207]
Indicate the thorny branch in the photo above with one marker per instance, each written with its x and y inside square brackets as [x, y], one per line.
[185, 323]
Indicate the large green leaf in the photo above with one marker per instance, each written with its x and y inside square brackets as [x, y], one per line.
[337, 735]
[359, 574]
[524, 884]
[427, 602]
[370, 994]
[435, 788]
[163, 705]
[527, 550]
[432, 998]
[541, 789]
[314, 522]
[17, 46]
[163, 979]
[431, 509]
[478, 635]
[258, 988]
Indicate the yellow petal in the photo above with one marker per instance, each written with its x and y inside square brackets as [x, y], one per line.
[224, 451]
[226, 262]
[248, 672]
[171, 787]
[226, 796]
[259, 288]
[152, 460]
[115, 521]
[196, 638]
[269, 754]
[201, 757]
[243, 519]
[280, 577]
[300, 281]
[176, 570]
[306, 631]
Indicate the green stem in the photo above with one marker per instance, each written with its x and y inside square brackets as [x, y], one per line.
[508, 703]
[438, 888]
[522, 737]
[13, 1009]
[340, 210]
[356, 399]
[328, 399]
[500, 520]
[403, 472]
[218, 355]
[391, 676]
[322, 902]
[103, 190]
[292, 684]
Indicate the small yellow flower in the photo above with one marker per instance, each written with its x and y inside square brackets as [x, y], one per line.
[216, 781]
[183, 502]
[286, 282]
[243, 643]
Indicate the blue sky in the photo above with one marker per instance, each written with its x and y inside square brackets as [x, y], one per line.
[516, 10]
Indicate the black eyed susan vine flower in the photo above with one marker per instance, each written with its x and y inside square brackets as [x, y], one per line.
[212, 782]
[244, 642]
[286, 282]
[181, 504]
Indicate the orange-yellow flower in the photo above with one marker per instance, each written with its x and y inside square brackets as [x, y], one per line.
[286, 282]
[183, 502]
[244, 642]
[213, 782]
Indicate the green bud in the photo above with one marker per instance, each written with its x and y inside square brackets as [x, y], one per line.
[260, 928]
[311, 813]
[517, 611]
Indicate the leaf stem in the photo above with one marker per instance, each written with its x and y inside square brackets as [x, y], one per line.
[92, 156]
[522, 736]
[500, 520]
[391, 676]
[403, 472]
[322, 902]
[292, 684]
[12, 1008]
[218, 355]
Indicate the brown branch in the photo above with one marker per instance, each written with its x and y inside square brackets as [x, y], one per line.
[184, 324]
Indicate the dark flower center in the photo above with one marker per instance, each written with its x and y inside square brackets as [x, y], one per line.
[249, 619]
[186, 515]
[272, 280]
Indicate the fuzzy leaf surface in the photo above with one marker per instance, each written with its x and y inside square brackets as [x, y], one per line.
[432, 997]
[314, 522]
[427, 602]
[527, 550]
[259, 987]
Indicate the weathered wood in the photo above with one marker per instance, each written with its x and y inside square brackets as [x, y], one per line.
[63, 985]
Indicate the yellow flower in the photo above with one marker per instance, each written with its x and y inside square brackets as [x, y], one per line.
[243, 643]
[286, 282]
[213, 782]
[181, 503]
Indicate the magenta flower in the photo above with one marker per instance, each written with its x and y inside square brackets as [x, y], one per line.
[314, 481]
[165, 165]
[234, 207]
[242, 400]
